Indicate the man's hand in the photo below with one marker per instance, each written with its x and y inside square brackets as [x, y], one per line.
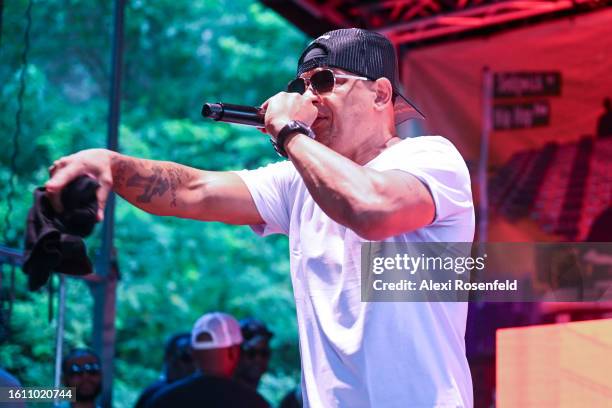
[157, 187]
[285, 107]
[95, 163]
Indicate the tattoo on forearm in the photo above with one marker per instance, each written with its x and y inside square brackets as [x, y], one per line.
[129, 173]
[152, 185]
[175, 179]
[121, 167]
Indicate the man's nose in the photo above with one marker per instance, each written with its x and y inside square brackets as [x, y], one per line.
[310, 94]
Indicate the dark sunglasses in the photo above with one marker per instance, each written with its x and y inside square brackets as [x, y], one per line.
[89, 368]
[252, 353]
[322, 82]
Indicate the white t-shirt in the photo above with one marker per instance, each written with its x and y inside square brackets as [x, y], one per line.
[371, 354]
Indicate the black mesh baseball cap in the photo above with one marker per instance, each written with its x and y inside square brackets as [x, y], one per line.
[362, 52]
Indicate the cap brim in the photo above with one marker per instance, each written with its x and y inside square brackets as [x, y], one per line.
[209, 345]
[405, 110]
[248, 344]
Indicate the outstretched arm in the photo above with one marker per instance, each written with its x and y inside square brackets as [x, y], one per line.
[158, 187]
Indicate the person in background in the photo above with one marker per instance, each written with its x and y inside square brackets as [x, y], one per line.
[215, 341]
[604, 123]
[293, 399]
[255, 351]
[81, 369]
[7, 380]
[178, 364]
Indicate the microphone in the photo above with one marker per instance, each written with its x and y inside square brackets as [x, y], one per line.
[243, 115]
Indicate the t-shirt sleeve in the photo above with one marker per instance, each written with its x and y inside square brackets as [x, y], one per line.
[439, 166]
[269, 186]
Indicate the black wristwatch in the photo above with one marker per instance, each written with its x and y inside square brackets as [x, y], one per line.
[289, 128]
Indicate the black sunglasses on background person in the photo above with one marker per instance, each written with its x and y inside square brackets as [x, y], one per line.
[89, 368]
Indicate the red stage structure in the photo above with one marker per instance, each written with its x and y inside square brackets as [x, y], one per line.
[408, 22]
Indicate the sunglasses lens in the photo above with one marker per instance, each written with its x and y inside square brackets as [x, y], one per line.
[323, 81]
[298, 85]
[92, 368]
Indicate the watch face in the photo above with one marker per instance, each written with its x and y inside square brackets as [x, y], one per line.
[292, 126]
[301, 127]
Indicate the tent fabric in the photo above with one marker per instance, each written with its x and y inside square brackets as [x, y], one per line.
[540, 186]
[445, 81]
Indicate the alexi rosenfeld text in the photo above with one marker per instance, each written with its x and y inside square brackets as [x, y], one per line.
[429, 267]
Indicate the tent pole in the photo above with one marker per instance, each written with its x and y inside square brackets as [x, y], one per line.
[487, 103]
[59, 333]
[104, 292]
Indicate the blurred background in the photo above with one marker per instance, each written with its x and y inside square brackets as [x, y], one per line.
[522, 88]
[177, 55]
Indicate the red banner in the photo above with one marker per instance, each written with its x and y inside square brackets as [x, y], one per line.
[547, 180]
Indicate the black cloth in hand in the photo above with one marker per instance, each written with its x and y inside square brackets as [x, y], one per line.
[53, 240]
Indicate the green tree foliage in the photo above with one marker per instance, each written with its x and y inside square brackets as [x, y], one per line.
[178, 54]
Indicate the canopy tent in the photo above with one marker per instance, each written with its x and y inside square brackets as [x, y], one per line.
[415, 21]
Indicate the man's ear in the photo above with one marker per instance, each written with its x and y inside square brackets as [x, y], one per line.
[384, 93]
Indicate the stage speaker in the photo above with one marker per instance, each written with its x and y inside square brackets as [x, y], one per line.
[557, 365]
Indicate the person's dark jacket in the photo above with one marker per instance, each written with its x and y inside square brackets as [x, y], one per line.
[149, 392]
[206, 391]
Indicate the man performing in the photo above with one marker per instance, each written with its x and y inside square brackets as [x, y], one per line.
[349, 179]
